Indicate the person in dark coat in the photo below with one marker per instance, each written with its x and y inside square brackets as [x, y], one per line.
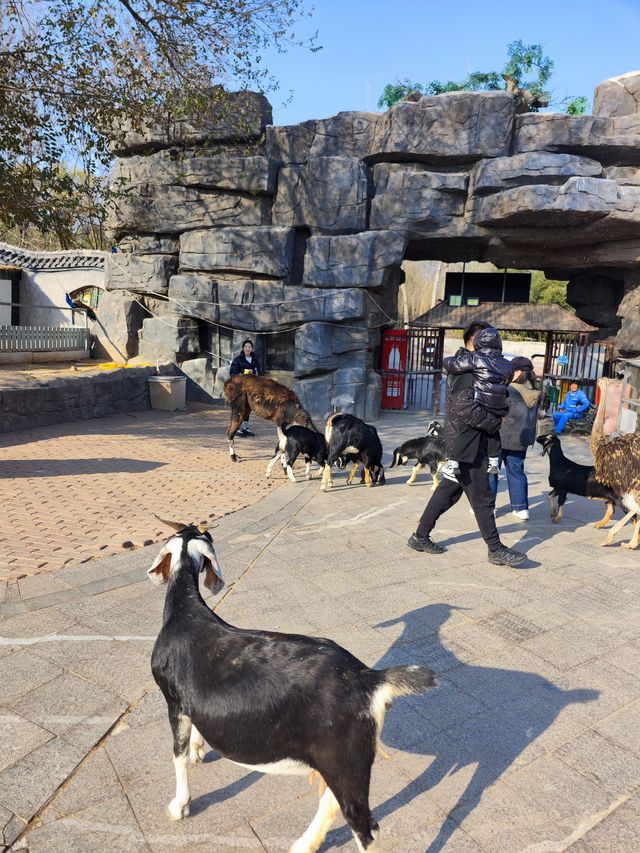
[489, 403]
[518, 433]
[246, 362]
[472, 480]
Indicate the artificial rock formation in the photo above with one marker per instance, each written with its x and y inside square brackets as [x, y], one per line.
[234, 225]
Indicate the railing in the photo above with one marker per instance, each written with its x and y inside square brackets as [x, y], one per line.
[43, 338]
[40, 338]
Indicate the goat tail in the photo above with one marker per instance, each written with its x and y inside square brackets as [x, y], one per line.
[397, 681]
[407, 680]
[396, 458]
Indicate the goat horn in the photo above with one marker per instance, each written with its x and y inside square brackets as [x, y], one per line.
[175, 525]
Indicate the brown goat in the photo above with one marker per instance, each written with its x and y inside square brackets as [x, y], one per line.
[266, 398]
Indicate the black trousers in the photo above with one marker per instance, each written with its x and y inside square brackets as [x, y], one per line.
[474, 483]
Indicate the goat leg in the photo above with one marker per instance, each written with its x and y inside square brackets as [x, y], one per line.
[328, 810]
[272, 462]
[635, 539]
[436, 478]
[605, 519]
[181, 729]
[414, 473]
[552, 509]
[196, 746]
[612, 533]
[354, 470]
[288, 467]
[327, 482]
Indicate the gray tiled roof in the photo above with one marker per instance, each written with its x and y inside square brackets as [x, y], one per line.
[512, 316]
[34, 260]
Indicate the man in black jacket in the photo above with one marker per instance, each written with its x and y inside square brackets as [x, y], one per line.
[472, 480]
[246, 362]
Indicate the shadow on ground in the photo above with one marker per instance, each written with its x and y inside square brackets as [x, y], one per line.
[519, 707]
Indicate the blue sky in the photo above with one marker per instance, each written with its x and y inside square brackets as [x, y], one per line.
[368, 44]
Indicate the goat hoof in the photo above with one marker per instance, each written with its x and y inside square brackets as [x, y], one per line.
[177, 810]
[555, 519]
[629, 545]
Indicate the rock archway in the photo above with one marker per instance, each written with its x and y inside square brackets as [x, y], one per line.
[253, 228]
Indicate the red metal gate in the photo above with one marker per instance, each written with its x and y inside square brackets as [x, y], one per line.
[411, 368]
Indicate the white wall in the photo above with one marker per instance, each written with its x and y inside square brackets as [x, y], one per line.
[526, 348]
[48, 288]
[5, 296]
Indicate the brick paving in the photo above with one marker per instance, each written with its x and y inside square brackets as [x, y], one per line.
[74, 492]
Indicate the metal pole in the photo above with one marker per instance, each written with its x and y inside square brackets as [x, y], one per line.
[464, 266]
[504, 284]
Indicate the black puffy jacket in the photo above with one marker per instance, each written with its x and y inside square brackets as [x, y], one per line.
[491, 372]
[241, 365]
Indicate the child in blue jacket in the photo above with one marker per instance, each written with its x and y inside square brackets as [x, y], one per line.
[574, 405]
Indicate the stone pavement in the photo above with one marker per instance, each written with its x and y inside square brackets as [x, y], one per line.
[531, 741]
[76, 491]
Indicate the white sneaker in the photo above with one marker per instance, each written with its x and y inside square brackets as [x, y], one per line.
[522, 514]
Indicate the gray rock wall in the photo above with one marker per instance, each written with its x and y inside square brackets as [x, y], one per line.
[230, 221]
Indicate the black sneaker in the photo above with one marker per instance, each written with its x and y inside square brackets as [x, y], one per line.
[248, 434]
[506, 557]
[418, 543]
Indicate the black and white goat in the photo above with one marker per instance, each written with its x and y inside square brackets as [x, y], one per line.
[428, 450]
[275, 703]
[345, 435]
[567, 477]
[294, 441]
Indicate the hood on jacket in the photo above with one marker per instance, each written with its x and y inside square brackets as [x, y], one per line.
[529, 395]
[488, 339]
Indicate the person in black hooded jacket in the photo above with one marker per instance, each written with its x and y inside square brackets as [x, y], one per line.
[473, 480]
[488, 402]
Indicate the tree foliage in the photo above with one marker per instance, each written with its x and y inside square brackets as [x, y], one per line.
[526, 73]
[73, 72]
[549, 291]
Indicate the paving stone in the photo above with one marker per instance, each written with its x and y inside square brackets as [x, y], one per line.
[618, 832]
[12, 825]
[93, 782]
[151, 708]
[22, 671]
[571, 644]
[19, 737]
[29, 783]
[109, 825]
[69, 706]
[567, 798]
[609, 765]
[623, 728]
[123, 668]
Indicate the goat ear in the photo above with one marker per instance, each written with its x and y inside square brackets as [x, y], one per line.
[160, 568]
[211, 567]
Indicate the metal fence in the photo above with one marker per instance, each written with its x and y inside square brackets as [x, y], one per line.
[411, 370]
[43, 338]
